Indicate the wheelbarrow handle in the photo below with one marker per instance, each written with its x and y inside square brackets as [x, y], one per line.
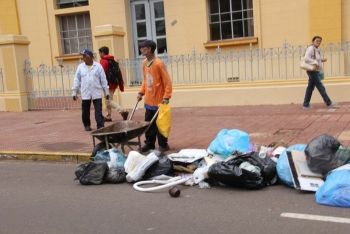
[133, 110]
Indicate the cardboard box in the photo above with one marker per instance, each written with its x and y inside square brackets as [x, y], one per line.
[303, 178]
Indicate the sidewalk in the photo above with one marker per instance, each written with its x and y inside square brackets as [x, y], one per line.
[61, 132]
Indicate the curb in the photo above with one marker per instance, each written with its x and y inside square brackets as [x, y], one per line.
[45, 156]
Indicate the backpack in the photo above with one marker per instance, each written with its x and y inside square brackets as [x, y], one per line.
[113, 75]
[91, 172]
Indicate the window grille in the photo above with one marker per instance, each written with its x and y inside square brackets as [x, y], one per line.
[75, 33]
[71, 3]
[230, 19]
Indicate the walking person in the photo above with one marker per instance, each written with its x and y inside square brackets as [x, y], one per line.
[156, 88]
[313, 56]
[90, 79]
[108, 63]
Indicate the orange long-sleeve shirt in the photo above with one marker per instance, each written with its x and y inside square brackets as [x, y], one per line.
[156, 83]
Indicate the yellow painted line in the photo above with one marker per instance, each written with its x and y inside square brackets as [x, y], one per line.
[45, 156]
[316, 218]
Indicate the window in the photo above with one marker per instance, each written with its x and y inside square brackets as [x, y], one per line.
[75, 33]
[71, 3]
[230, 19]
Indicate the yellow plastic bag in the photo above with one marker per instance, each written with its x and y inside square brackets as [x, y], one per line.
[164, 120]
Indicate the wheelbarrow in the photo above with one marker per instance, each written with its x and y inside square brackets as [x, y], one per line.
[121, 133]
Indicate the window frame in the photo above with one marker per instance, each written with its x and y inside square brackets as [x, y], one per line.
[246, 20]
[86, 32]
[61, 4]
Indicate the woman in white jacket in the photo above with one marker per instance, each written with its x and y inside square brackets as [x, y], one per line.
[313, 56]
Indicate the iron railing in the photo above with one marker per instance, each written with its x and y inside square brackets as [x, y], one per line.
[194, 69]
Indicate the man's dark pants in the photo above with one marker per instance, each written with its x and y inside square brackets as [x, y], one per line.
[85, 106]
[153, 132]
[314, 81]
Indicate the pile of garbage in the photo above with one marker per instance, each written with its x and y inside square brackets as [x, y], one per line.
[230, 160]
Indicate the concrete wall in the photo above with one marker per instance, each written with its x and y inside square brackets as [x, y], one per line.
[326, 20]
[345, 13]
[9, 19]
[281, 21]
[257, 93]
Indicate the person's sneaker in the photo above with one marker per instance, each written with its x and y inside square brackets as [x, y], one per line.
[307, 107]
[124, 114]
[333, 106]
[88, 128]
[146, 148]
[164, 148]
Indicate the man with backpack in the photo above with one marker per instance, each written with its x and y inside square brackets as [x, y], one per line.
[114, 78]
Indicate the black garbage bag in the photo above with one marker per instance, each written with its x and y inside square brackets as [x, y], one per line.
[115, 175]
[266, 165]
[164, 166]
[91, 173]
[321, 154]
[342, 156]
[229, 173]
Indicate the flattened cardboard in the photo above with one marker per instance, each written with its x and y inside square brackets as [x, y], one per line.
[303, 178]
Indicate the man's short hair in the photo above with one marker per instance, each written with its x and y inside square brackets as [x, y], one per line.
[148, 43]
[104, 50]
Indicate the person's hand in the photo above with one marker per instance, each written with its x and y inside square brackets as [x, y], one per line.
[165, 101]
[139, 97]
[74, 98]
[324, 60]
[107, 97]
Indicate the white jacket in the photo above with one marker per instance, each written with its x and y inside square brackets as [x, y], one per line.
[91, 81]
[313, 56]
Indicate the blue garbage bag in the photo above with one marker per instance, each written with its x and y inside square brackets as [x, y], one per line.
[114, 158]
[283, 168]
[228, 141]
[336, 189]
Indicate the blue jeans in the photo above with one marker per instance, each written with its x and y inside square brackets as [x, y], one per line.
[314, 81]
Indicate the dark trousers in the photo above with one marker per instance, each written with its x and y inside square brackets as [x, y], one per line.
[152, 132]
[314, 81]
[85, 106]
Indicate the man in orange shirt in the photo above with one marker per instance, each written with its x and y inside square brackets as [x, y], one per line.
[156, 88]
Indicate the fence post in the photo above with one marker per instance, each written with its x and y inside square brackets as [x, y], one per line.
[17, 88]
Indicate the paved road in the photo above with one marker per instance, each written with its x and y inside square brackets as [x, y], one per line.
[37, 197]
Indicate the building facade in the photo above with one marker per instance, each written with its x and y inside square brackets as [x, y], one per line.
[59, 29]
[218, 52]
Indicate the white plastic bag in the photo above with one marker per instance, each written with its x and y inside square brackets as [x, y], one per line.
[140, 169]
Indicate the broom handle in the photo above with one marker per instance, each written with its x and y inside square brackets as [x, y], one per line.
[133, 110]
[152, 120]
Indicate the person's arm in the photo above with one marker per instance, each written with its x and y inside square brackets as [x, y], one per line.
[104, 82]
[76, 83]
[142, 88]
[104, 64]
[166, 83]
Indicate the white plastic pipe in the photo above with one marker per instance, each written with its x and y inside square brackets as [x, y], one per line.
[164, 184]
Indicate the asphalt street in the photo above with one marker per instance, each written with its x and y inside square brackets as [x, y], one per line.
[42, 197]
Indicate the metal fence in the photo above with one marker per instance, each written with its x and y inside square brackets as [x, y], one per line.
[52, 85]
[244, 65]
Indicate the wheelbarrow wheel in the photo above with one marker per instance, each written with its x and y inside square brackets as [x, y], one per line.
[99, 147]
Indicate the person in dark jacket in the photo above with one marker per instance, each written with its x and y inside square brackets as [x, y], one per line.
[105, 56]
